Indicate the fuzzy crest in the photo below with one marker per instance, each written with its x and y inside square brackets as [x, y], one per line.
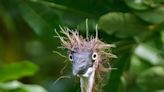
[75, 42]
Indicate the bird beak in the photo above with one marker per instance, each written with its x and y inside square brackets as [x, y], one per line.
[88, 73]
[75, 72]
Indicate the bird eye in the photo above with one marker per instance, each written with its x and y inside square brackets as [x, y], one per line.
[94, 56]
[70, 57]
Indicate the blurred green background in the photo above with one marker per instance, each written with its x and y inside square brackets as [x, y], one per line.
[27, 61]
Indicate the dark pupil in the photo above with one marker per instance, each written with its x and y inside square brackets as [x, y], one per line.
[94, 55]
[70, 57]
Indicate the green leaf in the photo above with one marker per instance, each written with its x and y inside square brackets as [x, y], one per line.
[89, 8]
[152, 16]
[33, 88]
[138, 5]
[16, 86]
[142, 4]
[137, 66]
[39, 25]
[150, 54]
[162, 36]
[122, 24]
[114, 82]
[152, 79]
[34, 20]
[122, 63]
[17, 70]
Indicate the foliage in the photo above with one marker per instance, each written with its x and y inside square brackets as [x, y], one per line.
[15, 86]
[17, 70]
[27, 30]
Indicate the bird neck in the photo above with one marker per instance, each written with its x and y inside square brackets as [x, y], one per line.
[87, 82]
